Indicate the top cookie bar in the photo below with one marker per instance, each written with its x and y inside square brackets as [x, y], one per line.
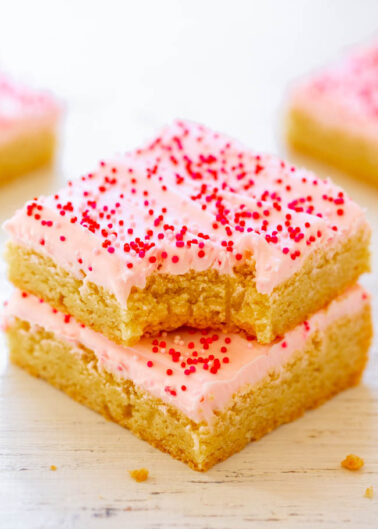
[191, 229]
[334, 113]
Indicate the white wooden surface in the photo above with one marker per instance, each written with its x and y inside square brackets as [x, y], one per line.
[124, 69]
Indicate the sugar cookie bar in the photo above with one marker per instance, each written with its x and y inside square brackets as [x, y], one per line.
[28, 123]
[333, 115]
[200, 396]
[192, 229]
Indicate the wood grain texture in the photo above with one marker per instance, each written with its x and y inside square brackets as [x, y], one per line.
[291, 478]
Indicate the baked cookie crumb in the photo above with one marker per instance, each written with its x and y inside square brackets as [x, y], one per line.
[53, 467]
[352, 462]
[369, 493]
[139, 475]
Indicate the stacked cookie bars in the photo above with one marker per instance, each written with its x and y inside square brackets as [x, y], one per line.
[193, 291]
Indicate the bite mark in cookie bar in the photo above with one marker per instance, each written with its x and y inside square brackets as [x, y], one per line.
[333, 115]
[200, 396]
[193, 229]
[28, 122]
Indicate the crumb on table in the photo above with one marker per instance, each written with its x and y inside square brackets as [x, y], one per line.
[139, 475]
[369, 493]
[53, 467]
[352, 462]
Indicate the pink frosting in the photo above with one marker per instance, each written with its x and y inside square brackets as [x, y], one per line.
[198, 372]
[344, 95]
[192, 199]
[24, 110]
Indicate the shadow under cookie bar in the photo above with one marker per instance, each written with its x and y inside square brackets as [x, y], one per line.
[322, 359]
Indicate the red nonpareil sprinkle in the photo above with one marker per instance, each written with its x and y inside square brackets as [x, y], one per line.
[169, 372]
[175, 259]
[150, 363]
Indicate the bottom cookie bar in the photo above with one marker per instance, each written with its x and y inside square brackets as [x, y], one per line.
[200, 396]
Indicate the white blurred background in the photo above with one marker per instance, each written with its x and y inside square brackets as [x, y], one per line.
[126, 67]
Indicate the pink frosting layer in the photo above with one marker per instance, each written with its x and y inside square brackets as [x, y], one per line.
[192, 199]
[198, 372]
[24, 110]
[344, 95]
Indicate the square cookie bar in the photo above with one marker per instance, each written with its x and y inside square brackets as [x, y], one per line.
[333, 115]
[28, 123]
[201, 396]
[192, 229]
